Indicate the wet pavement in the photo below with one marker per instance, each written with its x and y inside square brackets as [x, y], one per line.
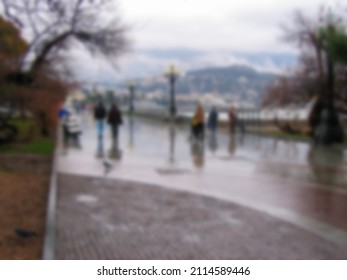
[290, 183]
[106, 219]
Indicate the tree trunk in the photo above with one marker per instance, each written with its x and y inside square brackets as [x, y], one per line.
[319, 63]
[42, 118]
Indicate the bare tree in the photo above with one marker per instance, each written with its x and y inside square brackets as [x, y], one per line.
[310, 35]
[304, 32]
[50, 25]
[317, 38]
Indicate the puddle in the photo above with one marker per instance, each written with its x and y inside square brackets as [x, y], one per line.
[86, 198]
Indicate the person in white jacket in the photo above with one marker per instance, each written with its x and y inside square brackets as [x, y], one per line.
[73, 127]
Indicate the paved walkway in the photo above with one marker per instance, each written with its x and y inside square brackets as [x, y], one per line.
[167, 200]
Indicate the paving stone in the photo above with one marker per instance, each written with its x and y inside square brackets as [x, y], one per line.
[114, 219]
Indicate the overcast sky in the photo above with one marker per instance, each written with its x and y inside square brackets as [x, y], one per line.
[212, 26]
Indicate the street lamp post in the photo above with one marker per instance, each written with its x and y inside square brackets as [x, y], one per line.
[172, 74]
[131, 87]
[329, 130]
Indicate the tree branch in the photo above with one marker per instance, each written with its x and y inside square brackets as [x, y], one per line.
[47, 48]
[52, 22]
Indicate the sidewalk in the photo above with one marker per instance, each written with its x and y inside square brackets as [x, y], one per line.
[114, 219]
[155, 203]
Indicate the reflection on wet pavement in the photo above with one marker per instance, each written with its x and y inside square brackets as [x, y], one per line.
[274, 157]
[268, 174]
[213, 143]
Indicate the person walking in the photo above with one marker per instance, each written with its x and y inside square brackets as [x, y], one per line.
[100, 115]
[198, 123]
[213, 120]
[232, 119]
[114, 119]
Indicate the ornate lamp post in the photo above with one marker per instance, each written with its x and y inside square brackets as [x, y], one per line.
[172, 74]
[131, 87]
[329, 130]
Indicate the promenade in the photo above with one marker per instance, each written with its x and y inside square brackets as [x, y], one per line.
[242, 197]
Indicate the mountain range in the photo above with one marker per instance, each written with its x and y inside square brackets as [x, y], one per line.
[237, 82]
[146, 63]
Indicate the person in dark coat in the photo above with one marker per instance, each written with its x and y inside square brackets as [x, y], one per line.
[213, 120]
[114, 119]
[100, 115]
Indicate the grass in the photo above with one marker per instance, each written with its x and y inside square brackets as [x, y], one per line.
[40, 146]
[25, 128]
[28, 140]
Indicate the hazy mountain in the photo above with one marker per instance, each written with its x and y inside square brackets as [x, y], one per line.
[235, 82]
[150, 62]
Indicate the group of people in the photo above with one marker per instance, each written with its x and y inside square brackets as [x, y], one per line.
[72, 128]
[113, 118]
[198, 122]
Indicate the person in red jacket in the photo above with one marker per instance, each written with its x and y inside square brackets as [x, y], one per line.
[232, 119]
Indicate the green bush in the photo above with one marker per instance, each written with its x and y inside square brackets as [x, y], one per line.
[27, 129]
